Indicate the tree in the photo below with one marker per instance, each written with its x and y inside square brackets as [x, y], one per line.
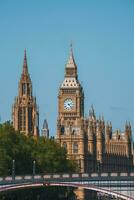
[51, 157]
[48, 155]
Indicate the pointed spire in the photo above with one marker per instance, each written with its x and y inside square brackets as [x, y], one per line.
[45, 129]
[129, 124]
[71, 49]
[45, 124]
[92, 112]
[71, 67]
[25, 67]
[71, 62]
[110, 124]
[126, 125]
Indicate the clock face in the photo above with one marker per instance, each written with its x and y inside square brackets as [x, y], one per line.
[68, 104]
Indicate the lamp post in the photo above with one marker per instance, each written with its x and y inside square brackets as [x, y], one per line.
[98, 170]
[13, 169]
[34, 167]
[98, 166]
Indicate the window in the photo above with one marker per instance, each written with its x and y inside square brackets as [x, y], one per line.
[62, 130]
[75, 147]
[22, 118]
[30, 123]
[24, 88]
[65, 145]
[28, 89]
[73, 132]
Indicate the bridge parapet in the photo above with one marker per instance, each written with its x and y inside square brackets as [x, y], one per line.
[69, 177]
[117, 184]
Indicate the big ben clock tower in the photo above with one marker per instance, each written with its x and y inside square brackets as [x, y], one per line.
[70, 123]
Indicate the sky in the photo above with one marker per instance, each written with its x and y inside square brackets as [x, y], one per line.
[102, 34]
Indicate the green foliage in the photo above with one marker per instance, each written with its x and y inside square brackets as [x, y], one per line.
[49, 157]
[41, 193]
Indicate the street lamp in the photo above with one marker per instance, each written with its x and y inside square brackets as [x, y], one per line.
[34, 167]
[98, 170]
[98, 166]
[13, 169]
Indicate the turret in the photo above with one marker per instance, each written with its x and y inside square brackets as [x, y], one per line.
[108, 130]
[128, 132]
[25, 84]
[92, 117]
[25, 113]
[91, 130]
[99, 141]
[90, 138]
[103, 125]
[111, 129]
[128, 138]
[71, 67]
[92, 113]
[45, 129]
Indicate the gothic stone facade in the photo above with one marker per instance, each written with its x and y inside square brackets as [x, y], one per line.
[90, 142]
[25, 113]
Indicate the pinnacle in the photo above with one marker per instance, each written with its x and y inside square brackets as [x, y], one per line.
[45, 124]
[71, 49]
[25, 68]
[71, 61]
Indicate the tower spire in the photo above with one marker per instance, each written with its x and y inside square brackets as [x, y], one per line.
[71, 67]
[71, 49]
[71, 62]
[45, 129]
[25, 110]
[25, 67]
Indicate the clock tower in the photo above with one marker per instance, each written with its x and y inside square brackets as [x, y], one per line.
[70, 122]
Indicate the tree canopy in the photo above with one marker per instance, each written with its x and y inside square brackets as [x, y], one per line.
[47, 155]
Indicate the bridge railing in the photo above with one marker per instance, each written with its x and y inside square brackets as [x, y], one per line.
[67, 177]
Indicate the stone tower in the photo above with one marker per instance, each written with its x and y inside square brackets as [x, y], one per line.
[70, 122]
[25, 113]
[45, 129]
[91, 137]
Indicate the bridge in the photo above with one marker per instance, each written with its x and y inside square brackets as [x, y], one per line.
[117, 185]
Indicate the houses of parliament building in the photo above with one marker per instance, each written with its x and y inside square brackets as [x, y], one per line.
[90, 142]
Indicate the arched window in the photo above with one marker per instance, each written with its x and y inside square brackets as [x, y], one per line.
[73, 132]
[24, 87]
[65, 145]
[28, 89]
[75, 147]
[62, 130]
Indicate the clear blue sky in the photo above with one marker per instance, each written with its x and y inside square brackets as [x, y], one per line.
[102, 33]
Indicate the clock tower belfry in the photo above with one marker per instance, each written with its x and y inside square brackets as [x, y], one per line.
[71, 96]
[70, 122]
